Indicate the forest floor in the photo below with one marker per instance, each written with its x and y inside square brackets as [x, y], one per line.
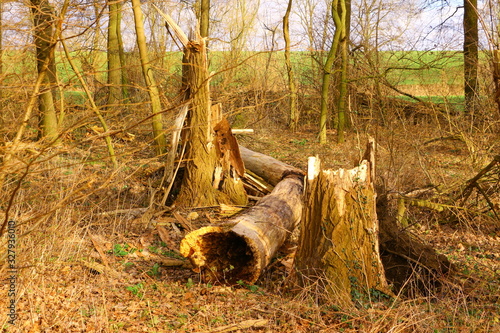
[90, 258]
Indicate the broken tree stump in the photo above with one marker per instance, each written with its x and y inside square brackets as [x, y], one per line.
[241, 247]
[338, 245]
[202, 163]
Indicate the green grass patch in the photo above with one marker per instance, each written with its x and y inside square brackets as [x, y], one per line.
[456, 100]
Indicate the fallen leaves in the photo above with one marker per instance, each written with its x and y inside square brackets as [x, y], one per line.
[252, 323]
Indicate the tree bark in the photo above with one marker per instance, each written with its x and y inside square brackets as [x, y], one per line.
[338, 245]
[327, 73]
[204, 17]
[113, 53]
[154, 94]
[1, 47]
[471, 56]
[496, 77]
[270, 169]
[43, 19]
[292, 86]
[340, 19]
[197, 187]
[241, 247]
[121, 54]
[201, 184]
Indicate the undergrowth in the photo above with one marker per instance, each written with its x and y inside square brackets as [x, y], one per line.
[89, 256]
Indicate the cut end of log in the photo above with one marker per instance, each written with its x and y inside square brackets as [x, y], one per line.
[221, 255]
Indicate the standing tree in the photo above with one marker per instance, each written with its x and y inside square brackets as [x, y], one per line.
[327, 70]
[147, 71]
[294, 111]
[496, 76]
[43, 19]
[113, 52]
[204, 17]
[494, 39]
[471, 40]
[121, 52]
[341, 23]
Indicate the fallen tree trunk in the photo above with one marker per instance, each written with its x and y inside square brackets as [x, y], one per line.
[411, 266]
[270, 169]
[241, 247]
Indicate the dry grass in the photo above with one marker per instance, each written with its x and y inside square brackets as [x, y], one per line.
[59, 201]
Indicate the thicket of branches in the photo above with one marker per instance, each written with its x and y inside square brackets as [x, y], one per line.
[243, 78]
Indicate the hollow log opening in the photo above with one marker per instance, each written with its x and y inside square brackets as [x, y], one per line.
[228, 258]
[241, 247]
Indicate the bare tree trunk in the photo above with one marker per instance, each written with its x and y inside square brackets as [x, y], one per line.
[204, 17]
[1, 47]
[197, 188]
[471, 57]
[327, 72]
[28, 111]
[340, 19]
[294, 111]
[338, 245]
[270, 169]
[154, 94]
[44, 18]
[121, 53]
[113, 52]
[496, 77]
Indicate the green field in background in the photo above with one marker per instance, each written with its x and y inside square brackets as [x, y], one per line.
[239, 69]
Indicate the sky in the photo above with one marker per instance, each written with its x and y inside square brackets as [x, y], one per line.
[404, 24]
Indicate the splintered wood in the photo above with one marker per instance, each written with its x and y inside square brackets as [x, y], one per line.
[227, 148]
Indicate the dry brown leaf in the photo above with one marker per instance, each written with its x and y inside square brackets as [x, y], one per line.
[100, 249]
[288, 263]
[165, 237]
[147, 239]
